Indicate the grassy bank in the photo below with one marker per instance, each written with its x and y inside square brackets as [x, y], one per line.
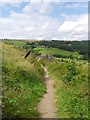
[71, 88]
[16, 43]
[22, 84]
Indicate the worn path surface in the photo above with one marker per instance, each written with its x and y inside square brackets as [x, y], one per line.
[47, 106]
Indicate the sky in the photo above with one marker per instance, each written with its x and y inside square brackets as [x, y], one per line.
[44, 20]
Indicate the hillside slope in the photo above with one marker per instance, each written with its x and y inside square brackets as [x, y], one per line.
[22, 84]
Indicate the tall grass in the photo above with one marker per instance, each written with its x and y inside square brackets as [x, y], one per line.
[22, 84]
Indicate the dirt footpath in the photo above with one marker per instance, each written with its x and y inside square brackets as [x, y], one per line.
[47, 106]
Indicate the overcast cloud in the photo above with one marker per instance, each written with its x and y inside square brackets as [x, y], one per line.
[44, 21]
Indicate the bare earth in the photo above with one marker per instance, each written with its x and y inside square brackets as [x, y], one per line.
[47, 106]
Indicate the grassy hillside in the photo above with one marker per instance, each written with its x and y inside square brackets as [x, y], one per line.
[71, 88]
[55, 52]
[21, 43]
[22, 84]
[18, 43]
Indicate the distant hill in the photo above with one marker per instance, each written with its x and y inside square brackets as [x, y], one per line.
[81, 46]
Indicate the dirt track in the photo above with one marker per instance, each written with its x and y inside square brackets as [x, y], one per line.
[47, 107]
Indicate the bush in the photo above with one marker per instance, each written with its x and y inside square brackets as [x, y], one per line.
[71, 84]
[73, 69]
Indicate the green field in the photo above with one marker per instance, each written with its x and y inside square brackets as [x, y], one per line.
[55, 52]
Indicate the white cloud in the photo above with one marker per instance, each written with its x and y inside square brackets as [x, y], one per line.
[9, 3]
[75, 29]
[42, 7]
[13, 1]
[60, 0]
[36, 23]
[36, 26]
[29, 26]
[68, 26]
[74, 5]
[45, 26]
[77, 5]
[39, 38]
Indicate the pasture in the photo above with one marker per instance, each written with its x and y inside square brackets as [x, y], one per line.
[55, 52]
